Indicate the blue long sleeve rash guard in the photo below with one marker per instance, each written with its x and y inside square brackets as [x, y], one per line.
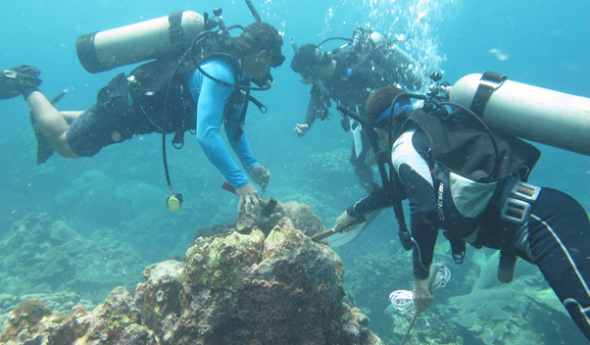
[211, 98]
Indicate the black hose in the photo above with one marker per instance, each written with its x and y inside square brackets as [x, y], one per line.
[235, 26]
[243, 87]
[490, 134]
[355, 116]
[253, 10]
[334, 38]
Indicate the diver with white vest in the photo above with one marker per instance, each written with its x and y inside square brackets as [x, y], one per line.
[465, 171]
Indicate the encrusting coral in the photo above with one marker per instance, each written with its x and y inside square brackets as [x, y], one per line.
[231, 288]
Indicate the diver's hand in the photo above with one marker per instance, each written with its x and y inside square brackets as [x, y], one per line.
[343, 221]
[422, 296]
[301, 129]
[260, 175]
[248, 198]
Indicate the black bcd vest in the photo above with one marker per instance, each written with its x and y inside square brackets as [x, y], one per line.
[159, 89]
[461, 145]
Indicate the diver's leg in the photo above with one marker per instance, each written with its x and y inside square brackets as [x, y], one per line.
[70, 116]
[361, 169]
[52, 124]
[559, 240]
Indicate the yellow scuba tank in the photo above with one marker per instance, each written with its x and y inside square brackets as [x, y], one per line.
[105, 50]
[529, 112]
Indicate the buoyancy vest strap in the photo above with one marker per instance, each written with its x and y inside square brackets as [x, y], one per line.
[263, 109]
[515, 213]
[176, 32]
[397, 189]
[489, 82]
[242, 118]
[458, 247]
[178, 139]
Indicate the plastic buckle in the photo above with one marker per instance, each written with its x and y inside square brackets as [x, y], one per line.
[525, 192]
[516, 211]
[492, 80]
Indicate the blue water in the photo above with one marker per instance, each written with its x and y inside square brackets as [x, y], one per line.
[543, 43]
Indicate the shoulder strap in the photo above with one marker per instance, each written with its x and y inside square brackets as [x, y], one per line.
[175, 31]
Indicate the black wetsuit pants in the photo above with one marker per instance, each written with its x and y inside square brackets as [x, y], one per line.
[559, 240]
[559, 244]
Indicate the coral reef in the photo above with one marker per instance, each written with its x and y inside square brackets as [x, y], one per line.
[356, 328]
[231, 288]
[242, 288]
[39, 255]
[372, 278]
[523, 312]
[58, 302]
[116, 321]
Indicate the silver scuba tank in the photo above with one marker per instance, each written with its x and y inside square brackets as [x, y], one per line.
[529, 112]
[105, 50]
[407, 71]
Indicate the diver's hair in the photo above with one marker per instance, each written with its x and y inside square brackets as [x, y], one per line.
[381, 100]
[261, 36]
[309, 56]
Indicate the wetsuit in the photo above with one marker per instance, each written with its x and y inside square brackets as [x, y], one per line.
[212, 99]
[118, 116]
[556, 238]
[354, 79]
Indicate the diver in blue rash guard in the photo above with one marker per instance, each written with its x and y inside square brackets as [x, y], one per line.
[554, 236]
[167, 96]
[212, 100]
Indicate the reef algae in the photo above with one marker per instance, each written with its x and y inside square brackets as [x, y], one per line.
[230, 288]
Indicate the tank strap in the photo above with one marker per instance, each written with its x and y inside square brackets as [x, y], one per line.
[518, 198]
[176, 32]
[458, 247]
[489, 82]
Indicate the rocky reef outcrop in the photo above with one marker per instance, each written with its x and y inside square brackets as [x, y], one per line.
[39, 255]
[230, 288]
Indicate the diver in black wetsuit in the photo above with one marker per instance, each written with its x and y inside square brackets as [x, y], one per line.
[555, 236]
[347, 77]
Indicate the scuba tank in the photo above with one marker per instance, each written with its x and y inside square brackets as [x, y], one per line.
[529, 112]
[385, 53]
[407, 71]
[105, 50]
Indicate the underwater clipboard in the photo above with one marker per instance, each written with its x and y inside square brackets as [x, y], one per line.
[343, 238]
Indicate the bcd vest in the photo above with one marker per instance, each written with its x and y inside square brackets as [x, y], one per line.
[159, 89]
[466, 174]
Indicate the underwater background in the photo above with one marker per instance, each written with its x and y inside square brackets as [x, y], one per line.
[109, 212]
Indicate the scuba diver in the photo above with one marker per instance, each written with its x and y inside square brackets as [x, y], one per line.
[461, 176]
[205, 88]
[348, 75]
